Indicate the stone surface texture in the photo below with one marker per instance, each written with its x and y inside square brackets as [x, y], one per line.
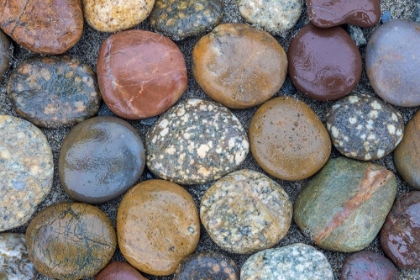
[119, 271]
[5, 53]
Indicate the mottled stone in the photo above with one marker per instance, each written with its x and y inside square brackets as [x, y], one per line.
[343, 207]
[245, 212]
[100, 159]
[195, 142]
[288, 140]
[400, 235]
[239, 66]
[207, 265]
[14, 260]
[119, 271]
[70, 241]
[184, 18]
[26, 170]
[5, 53]
[140, 73]
[297, 261]
[364, 127]
[54, 91]
[45, 27]
[324, 64]
[392, 64]
[158, 226]
[357, 35]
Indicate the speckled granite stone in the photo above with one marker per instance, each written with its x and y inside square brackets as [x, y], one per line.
[14, 261]
[184, 18]
[26, 170]
[54, 91]
[364, 127]
[195, 142]
[297, 261]
[5, 53]
[245, 212]
[119, 271]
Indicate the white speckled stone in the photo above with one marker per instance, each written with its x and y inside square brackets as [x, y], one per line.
[294, 262]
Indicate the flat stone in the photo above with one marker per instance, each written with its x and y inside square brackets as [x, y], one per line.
[158, 226]
[364, 127]
[185, 18]
[141, 74]
[5, 53]
[14, 261]
[219, 68]
[343, 207]
[53, 92]
[245, 212]
[392, 64]
[45, 27]
[296, 261]
[100, 159]
[70, 241]
[119, 271]
[288, 140]
[324, 64]
[26, 170]
[196, 142]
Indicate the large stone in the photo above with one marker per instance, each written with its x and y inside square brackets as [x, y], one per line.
[5, 53]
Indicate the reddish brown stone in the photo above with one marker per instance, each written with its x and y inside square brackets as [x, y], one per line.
[140, 73]
[119, 271]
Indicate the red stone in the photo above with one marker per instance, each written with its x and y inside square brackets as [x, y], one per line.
[119, 271]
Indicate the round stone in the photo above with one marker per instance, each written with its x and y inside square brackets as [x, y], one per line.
[288, 140]
[70, 241]
[196, 142]
[14, 260]
[100, 159]
[26, 170]
[297, 261]
[245, 212]
[367, 265]
[119, 271]
[141, 74]
[400, 235]
[184, 18]
[364, 127]
[5, 53]
[207, 265]
[219, 68]
[274, 16]
[392, 64]
[45, 27]
[54, 91]
[354, 198]
[158, 226]
[324, 63]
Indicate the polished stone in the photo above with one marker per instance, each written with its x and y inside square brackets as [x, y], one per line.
[119, 271]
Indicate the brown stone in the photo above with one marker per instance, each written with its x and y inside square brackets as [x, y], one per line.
[239, 66]
[158, 226]
[45, 27]
[140, 73]
[5, 53]
[119, 271]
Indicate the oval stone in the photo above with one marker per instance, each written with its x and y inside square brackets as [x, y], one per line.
[245, 212]
[392, 64]
[288, 140]
[45, 27]
[70, 241]
[364, 127]
[195, 142]
[141, 74]
[26, 170]
[100, 159]
[158, 226]
[54, 91]
[5, 53]
[296, 261]
[343, 207]
[324, 64]
[218, 65]
[119, 271]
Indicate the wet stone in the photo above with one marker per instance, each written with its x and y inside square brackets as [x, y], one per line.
[165, 232]
[195, 142]
[100, 159]
[70, 241]
[5, 53]
[26, 170]
[364, 127]
[297, 261]
[245, 212]
[184, 18]
[119, 271]
[53, 92]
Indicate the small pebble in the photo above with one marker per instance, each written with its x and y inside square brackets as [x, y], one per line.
[386, 16]
[357, 35]
[119, 271]
[5, 53]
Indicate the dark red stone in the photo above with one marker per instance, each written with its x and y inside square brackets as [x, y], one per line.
[119, 271]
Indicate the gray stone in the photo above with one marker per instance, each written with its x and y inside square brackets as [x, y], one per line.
[357, 35]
